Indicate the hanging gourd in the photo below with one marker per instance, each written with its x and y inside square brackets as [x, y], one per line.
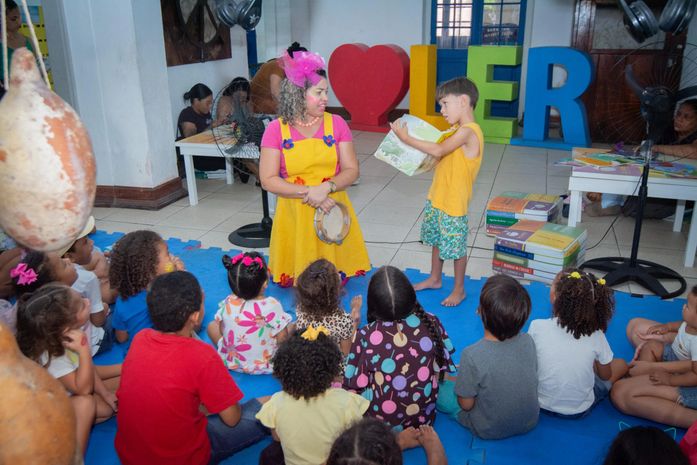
[37, 421]
[47, 169]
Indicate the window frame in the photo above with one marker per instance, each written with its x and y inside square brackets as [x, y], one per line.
[477, 25]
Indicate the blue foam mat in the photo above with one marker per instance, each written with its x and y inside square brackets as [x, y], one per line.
[554, 440]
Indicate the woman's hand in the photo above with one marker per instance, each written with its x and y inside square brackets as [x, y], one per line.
[400, 129]
[318, 197]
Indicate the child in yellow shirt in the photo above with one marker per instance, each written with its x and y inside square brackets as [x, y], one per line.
[459, 158]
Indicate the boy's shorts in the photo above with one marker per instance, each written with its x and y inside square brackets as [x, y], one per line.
[448, 233]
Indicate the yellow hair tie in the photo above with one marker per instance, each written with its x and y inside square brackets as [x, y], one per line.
[575, 275]
[601, 281]
[169, 267]
[311, 333]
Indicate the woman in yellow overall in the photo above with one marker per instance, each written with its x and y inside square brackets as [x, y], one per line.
[308, 160]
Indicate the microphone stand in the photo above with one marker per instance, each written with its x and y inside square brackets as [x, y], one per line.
[643, 272]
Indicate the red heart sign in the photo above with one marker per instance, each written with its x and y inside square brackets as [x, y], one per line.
[369, 82]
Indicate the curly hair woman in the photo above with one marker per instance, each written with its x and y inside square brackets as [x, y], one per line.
[136, 260]
[308, 414]
[405, 342]
[575, 364]
[308, 161]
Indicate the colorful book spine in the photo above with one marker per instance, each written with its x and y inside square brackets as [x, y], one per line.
[530, 250]
[513, 260]
[542, 277]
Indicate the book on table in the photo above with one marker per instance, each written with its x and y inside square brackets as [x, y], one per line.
[405, 158]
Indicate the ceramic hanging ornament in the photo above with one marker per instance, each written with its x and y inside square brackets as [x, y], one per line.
[47, 169]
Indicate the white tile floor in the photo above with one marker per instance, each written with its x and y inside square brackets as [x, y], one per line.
[389, 206]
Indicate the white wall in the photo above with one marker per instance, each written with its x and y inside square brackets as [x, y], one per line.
[215, 74]
[112, 65]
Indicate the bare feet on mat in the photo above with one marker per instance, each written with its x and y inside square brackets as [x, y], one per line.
[408, 438]
[454, 299]
[430, 283]
[435, 453]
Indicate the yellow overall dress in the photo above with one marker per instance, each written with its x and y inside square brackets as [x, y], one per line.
[294, 243]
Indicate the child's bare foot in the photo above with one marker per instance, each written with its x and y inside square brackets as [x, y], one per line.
[408, 438]
[435, 453]
[454, 299]
[430, 283]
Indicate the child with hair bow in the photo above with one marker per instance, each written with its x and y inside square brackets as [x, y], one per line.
[248, 326]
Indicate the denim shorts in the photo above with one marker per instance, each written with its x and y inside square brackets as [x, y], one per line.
[688, 396]
[601, 389]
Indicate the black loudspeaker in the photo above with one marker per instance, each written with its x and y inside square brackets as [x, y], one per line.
[642, 24]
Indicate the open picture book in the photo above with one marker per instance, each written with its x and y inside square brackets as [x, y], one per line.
[406, 159]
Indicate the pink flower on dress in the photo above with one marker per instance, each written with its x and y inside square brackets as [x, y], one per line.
[256, 321]
[232, 351]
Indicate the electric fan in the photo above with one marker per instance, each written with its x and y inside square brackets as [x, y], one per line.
[646, 115]
[239, 137]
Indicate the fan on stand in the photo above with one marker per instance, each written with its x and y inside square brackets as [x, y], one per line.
[239, 138]
[655, 95]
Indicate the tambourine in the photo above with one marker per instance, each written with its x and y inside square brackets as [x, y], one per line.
[333, 227]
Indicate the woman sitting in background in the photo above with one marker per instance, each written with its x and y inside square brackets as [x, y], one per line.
[196, 118]
[235, 99]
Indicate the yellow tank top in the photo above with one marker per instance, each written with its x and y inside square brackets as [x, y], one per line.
[454, 176]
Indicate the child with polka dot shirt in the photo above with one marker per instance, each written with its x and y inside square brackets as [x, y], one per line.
[397, 359]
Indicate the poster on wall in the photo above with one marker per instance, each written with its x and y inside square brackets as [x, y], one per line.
[193, 33]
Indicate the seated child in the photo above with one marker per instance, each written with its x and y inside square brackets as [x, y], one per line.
[496, 384]
[404, 342]
[168, 377]
[663, 346]
[308, 414]
[371, 441]
[136, 260]
[665, 392]
[48, 332]
[575, 364]
[318, 296]
[248, 326]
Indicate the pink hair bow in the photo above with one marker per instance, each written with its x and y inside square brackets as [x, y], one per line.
[246, 260]
[24, 274]
[302, 67]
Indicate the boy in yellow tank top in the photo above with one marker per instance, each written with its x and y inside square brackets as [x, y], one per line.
[459, 158]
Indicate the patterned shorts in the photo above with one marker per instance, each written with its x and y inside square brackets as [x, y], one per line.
[448, 233]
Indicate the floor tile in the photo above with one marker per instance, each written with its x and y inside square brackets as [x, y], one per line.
[131, 215]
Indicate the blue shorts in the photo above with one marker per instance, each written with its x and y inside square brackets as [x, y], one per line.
[601, 389]
[669, 354]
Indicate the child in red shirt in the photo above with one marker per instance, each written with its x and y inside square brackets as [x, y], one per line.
[167, 376]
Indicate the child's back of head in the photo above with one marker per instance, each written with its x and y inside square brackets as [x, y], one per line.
[42, 319]
[246, 274]
[317, 289]
[307, 363]
[582, 303]
[368, 442]
[391, 297]
[504, 306]
[134, 262]
[644, 445]
[172, 299]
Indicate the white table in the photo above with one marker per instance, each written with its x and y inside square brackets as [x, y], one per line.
[585, 179]
[208, 144]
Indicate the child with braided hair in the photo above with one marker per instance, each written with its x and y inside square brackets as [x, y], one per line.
[401, 346]
[248, 325]
[575, 364]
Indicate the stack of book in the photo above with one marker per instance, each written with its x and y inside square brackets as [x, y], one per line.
[538, 251]
[510, 207]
